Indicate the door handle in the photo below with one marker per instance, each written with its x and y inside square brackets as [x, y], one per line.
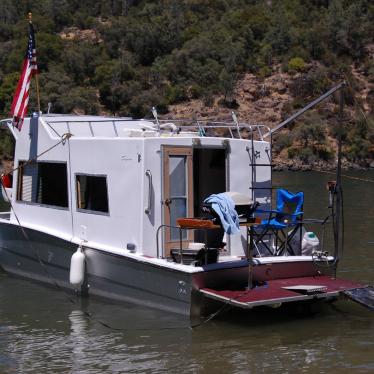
[168, 202]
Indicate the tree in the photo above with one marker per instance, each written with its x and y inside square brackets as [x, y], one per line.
[348, 28]
[279, 35]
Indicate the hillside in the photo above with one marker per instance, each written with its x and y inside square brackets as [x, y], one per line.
[270, 100]
[263, 59]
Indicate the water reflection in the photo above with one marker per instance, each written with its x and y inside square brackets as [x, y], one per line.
[78, 337]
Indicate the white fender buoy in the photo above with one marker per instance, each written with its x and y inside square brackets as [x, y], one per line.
[77, 267]
[7, 194]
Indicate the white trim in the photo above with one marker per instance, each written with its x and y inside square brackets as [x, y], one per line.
[151, 260]
[285, 259]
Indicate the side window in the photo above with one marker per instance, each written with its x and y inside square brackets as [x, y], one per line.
[43, 183]
[92, 193]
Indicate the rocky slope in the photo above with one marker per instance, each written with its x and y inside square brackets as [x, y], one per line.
[270, 100]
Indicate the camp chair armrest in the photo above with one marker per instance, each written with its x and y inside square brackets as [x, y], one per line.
[291, 214]
[275, 211]
[317, 220]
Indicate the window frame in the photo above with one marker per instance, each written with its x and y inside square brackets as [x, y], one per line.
[20, 167]
[77, 196]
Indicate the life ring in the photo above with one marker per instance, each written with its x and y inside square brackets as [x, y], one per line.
[7, 180]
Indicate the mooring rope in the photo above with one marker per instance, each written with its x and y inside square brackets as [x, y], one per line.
[346, 176]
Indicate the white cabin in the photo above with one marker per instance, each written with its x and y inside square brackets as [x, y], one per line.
[114, 181]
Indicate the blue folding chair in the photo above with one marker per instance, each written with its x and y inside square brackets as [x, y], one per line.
[287, 215]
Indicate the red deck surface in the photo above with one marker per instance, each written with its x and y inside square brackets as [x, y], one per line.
[273, 290]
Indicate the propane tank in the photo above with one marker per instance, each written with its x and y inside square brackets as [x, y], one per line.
[77, 267]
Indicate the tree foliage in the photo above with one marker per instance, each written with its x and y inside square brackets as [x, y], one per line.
[125, 56]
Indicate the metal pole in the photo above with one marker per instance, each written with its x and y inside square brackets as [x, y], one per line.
[180, 245]
[235, 119]
[36, 73]
[250, 256]
[338, 189]
[155, 115]
[37, 92]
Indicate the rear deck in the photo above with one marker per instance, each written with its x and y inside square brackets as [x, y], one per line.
[275, 292]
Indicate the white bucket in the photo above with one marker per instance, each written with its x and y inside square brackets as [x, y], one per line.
[309, 244]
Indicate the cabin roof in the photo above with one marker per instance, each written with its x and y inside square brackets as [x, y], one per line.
[95, 126]
[91, 127]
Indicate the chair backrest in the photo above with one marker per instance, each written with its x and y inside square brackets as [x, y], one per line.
[289, 203]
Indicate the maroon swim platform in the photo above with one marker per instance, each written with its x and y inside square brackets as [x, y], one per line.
[274, 291]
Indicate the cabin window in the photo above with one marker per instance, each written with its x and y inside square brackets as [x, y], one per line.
[43, 183]
[92, 193]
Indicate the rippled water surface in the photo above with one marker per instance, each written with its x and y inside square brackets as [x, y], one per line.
[42, 330]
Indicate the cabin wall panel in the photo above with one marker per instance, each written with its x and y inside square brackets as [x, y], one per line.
[124, 161]
[153, 162]
[239, 181]
[32, 141]
[118, 160]
[262, 175]
[240, 176]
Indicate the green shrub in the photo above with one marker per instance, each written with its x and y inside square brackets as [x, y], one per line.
[195, 91]
[296, 64]
[175, 94]
[7, 144]
[307, 155]
[298, 103]
[228, 103]
[292, 152]
[265, 71]
[282, 141]
[325, 153]
[359, 149]
[370, 71]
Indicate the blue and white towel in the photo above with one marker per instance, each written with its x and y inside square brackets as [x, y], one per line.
[224, 206]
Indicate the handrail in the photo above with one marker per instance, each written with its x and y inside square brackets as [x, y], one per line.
[224, 126]
[180, 240]
[148, 209]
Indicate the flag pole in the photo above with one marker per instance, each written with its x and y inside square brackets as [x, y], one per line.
[36, 74]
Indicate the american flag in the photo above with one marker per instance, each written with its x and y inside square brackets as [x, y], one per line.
[21, 95]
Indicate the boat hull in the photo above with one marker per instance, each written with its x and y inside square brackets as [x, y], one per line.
[46, 258]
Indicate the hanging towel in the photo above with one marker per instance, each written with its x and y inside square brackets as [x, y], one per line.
[224, 206]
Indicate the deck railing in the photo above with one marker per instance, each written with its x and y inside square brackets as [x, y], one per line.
[200, 126]
[233, 129]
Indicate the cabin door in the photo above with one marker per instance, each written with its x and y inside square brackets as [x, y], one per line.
[177, 194]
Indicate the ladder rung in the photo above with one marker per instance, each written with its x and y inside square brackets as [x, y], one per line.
[261, 188]
[271, 165]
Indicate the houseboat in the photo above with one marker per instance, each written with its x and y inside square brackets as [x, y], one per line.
[119, 208]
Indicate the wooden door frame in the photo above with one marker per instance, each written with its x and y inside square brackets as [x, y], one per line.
[168, 151]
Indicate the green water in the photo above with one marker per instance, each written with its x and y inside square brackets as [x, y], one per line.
[44, 331]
